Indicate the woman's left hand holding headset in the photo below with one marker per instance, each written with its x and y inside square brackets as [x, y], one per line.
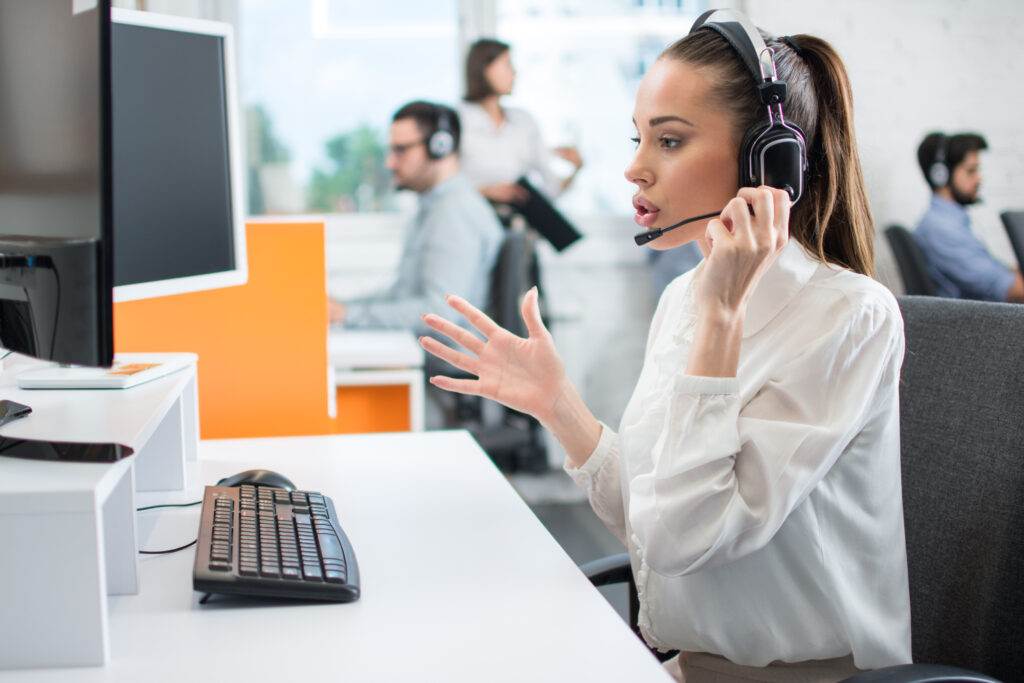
[744, 241]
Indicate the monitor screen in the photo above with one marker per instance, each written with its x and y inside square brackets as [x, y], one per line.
[175, 214]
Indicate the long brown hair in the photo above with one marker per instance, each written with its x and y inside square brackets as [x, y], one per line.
[832, 219]
[480, 55]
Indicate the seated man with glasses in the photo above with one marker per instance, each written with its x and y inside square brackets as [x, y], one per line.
[454, 238]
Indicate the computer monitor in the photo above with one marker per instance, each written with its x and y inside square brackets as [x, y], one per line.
[177, 160]
[55, 180]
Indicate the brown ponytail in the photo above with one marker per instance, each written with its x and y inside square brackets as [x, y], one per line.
[833, 218]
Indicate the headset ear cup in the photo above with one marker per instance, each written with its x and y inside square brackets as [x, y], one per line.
[440, 144]
[774, 155]
[749, 172]
[938, 174]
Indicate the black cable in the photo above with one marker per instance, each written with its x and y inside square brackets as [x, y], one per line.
[165, 552]
[168, 505]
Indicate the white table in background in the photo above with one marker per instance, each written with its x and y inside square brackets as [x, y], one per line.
[460, 582]
[380, 358]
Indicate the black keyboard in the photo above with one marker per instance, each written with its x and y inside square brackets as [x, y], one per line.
[259, 540]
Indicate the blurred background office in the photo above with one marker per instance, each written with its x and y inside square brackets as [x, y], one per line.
[320, 78]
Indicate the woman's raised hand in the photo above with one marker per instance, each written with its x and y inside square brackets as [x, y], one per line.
[745, 239]
[524, 374]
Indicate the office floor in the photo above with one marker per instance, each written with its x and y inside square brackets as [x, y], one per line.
[563, 510]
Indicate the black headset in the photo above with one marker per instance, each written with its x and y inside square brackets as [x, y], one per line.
[441, 142]
[938, 172]
[773, 151]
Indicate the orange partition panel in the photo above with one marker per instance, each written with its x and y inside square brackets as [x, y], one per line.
[262, 346]
[383, 408]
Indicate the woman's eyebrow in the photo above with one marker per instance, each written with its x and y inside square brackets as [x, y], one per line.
[658, 120]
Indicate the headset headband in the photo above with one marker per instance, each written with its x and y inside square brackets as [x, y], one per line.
[746, 41]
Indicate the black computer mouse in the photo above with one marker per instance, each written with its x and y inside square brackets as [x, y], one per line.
[258, 478]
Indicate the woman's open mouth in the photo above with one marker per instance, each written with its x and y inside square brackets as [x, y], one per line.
[646, 212]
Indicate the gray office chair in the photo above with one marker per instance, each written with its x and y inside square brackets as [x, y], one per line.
[911, 261]
[1013, 221]
[962, 440]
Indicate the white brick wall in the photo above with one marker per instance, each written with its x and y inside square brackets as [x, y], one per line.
[918, 66]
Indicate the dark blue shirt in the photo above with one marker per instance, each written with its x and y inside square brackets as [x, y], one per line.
[959, 264]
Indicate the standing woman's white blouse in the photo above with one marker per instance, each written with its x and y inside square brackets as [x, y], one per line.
[490, 153]
[763, 513]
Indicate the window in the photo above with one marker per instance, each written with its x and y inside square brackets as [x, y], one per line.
[320, 80]
[578, 64]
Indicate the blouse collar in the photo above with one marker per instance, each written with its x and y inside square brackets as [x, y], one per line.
[778, 286]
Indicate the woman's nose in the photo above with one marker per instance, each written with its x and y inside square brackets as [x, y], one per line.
[637, 174]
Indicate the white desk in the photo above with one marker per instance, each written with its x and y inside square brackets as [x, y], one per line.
[380, 358]
[460, 582]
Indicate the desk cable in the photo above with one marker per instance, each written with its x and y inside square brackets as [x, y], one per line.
[168, 505]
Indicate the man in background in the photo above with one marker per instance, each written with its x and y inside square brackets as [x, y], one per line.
[454, 238]
[959, 264]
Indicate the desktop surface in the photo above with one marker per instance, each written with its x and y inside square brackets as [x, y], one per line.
[460, 581]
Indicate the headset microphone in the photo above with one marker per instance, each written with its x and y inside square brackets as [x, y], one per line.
[643, 238]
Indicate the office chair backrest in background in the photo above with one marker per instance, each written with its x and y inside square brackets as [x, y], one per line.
[1013, 221]
[513, 274]
[962, 424]
[911, 261]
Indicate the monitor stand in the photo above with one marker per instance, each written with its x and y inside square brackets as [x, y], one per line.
[128, 370]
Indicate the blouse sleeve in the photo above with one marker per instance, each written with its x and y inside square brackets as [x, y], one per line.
[725, 476]
[599, 475]
[539, 162]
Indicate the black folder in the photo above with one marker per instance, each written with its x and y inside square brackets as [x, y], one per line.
[545, 218]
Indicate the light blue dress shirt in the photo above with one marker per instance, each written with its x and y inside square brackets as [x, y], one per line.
[450, 248]
[959, 264]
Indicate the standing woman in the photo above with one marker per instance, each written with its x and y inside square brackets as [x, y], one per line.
[500, 144]
[755, 476]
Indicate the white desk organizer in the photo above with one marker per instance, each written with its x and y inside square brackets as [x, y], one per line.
[67, 530]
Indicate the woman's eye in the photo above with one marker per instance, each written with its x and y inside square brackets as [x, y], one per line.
[635, 141]
[670, 143]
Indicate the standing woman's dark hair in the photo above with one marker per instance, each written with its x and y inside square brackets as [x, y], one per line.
[832, 219]
[480, 55]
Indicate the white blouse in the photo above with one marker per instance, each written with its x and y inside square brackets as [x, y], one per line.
[492, 154]
[763, 513]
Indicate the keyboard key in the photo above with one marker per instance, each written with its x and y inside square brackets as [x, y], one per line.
[330, 546]
[291, 573]
[220, 566]
[332, 576]
[312, 573]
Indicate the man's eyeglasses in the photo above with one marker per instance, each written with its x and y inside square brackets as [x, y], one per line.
[399, 150]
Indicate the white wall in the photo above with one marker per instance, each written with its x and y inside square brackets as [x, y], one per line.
[918, 66]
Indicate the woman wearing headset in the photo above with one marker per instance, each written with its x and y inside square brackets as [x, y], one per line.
[755, 476]
[500, 144]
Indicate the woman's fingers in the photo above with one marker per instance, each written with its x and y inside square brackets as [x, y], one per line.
[470, 387]
[474, 315]
[763, 226]
[454, 332]
[456, 358]
[782, 204]
[717, 233]
[531, 314]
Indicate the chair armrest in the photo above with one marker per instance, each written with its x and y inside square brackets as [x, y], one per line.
[920, 673]
[608, 570]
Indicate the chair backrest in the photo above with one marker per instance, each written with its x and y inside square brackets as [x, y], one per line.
[962, 434]
[911, 261]
[513, 274]
[1013, 221]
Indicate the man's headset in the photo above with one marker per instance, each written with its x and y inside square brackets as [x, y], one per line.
[938, 172]
[441, 142]
[773, 151]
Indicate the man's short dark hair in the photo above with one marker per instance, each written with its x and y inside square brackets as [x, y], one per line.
[957, 148]
[427, 116]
